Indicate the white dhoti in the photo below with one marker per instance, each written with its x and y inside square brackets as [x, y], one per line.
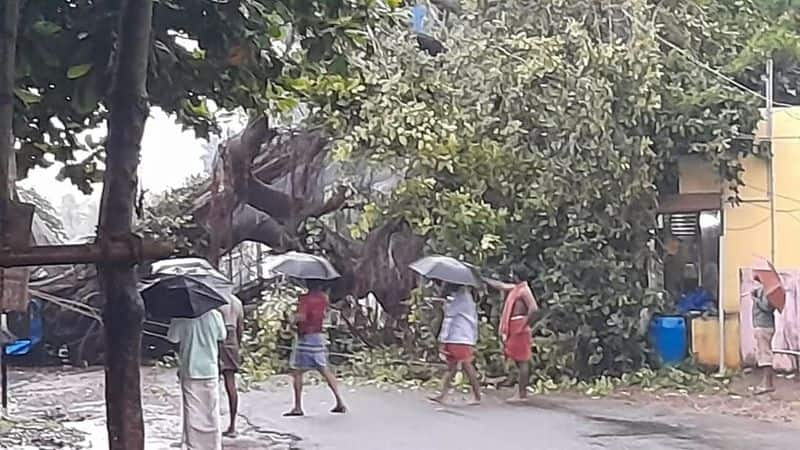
[201, 421]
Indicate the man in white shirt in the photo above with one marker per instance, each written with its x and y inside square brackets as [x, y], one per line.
[198, 354]
[457, 339]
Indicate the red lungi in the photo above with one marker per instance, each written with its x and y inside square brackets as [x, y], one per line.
[456, 353]
[518, 344]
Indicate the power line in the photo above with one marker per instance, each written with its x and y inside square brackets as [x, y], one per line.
[692, 59]
[750, 227]
[789, 212]
[763, 191]
[782, 211]
[787, 111]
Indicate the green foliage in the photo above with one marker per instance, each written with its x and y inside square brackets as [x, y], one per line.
[668, 379]
[536, 145]
[236, 54]
[169, 218]
[393, 366]
[268, 336]
[685, 379]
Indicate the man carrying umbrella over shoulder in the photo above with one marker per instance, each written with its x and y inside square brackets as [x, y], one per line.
[459, 332]
[768, 297]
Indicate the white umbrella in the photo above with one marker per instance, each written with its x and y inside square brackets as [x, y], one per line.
[303, 265]
[447, 269]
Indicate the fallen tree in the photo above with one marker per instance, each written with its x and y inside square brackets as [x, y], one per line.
[278, 188]
[272, 186]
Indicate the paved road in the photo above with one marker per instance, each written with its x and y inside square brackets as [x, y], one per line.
[399, 421]
[393, 420]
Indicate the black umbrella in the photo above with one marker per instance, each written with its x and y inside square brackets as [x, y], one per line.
[173, 296]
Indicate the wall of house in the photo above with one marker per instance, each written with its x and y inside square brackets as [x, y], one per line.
[747, 225]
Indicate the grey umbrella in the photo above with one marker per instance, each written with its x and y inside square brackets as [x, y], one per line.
[447, 269]
[303, 265]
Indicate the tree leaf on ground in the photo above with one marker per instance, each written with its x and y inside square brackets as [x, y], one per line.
[46, 28]
[27, 97]
[78, 71]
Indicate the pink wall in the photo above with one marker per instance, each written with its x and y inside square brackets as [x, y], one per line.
[787, 323]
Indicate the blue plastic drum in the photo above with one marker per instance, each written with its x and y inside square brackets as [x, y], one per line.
[669, 338]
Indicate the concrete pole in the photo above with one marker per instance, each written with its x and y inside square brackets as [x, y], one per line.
[721, 299]
[771, 166]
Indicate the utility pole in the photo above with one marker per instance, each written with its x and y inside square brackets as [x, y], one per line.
[771, 166]
[8, 46]
[769, 81]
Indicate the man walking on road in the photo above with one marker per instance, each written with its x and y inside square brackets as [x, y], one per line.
[198, 355]
[309, 352]
[519, 310]
[457, 339]
[229, 356]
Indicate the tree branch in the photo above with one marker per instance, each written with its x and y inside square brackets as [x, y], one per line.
[250, 224]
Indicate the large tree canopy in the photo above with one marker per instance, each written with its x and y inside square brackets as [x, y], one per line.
[538, 142]
[236, 54]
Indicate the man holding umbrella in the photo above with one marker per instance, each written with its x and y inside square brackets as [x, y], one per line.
[198, 340]
[459, 332]
[768, 297]
[309, 352]
[189, 297]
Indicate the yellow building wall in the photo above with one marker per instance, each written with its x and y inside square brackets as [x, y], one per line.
[705, 335]
[747, 226]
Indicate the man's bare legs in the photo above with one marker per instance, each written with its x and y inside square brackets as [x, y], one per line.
[233, 400]
[797, 367]
[767, 382]
[326, 373]
[522, 384]
[472, 376]
[297, 386]
[447, 380]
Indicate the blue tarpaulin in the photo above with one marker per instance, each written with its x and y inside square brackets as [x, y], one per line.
[698, 299]
[22, 347]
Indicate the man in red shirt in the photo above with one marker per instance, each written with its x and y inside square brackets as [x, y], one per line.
[310, 351]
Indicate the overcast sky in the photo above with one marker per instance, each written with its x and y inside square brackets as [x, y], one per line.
[169, 156]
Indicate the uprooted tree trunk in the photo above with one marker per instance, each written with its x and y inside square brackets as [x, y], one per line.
[123, 312]
[267, 184]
